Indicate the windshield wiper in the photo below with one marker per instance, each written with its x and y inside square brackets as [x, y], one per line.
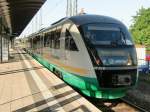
[122, 37]
[114, 43]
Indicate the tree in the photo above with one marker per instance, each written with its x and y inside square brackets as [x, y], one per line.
[140, 28]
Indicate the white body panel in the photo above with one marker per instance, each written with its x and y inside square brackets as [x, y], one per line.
[81, 58]
[75, 59]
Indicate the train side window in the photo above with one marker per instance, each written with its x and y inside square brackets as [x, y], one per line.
[57, 43]
[50, 39]
[73, 46]
[54, 40]
[46, 40]
[57, 40]
[69, 42]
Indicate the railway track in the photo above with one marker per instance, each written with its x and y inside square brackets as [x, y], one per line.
[113, 105]
[119, 105]
[140, 109]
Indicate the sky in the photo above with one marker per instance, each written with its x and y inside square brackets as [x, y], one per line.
[54, 10]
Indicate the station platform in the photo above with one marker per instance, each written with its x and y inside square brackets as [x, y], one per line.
[25, 85]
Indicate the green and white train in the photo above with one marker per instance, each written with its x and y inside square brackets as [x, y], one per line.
[92, 53]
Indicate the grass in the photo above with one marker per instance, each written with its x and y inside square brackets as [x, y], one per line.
[148, 49]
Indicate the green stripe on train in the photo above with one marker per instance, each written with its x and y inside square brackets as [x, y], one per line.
[88, 86]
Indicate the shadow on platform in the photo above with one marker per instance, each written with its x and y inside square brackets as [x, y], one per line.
[20, 70]
[54, 107]
[16, 57]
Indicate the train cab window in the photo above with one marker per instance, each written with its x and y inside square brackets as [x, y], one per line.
[105, 34]
[69, 42]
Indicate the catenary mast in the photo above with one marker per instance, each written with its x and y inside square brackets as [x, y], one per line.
[72, 8]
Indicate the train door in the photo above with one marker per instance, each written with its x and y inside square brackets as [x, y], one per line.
[68, 38]
[64, 52]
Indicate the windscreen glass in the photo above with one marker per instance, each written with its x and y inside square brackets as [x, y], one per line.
[115, 57]
[105, 35]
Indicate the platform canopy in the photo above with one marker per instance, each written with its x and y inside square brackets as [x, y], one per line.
[18, 13]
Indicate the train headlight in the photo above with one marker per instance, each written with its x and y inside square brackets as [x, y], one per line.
[98, 61]
[129, 60]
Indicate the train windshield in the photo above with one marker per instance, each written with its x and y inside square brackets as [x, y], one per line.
[98, 34]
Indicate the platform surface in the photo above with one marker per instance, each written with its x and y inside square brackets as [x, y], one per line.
[25, 85]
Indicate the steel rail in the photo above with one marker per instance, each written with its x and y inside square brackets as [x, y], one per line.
[133, 105]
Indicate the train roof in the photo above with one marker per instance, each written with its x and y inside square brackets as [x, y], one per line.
[86, 18]
[82, 19]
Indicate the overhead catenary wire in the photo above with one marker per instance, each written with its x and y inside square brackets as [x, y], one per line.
[58, 3]
[36, 24]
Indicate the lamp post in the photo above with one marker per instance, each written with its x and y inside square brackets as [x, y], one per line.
[72, 7]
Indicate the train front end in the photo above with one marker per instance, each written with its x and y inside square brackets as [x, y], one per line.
[113, 56]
